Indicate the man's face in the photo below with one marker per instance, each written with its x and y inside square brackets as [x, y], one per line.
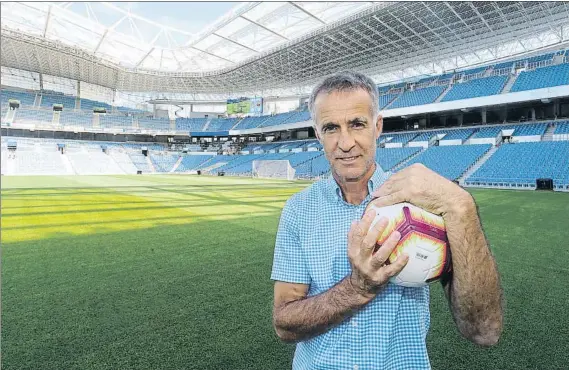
[348, 132]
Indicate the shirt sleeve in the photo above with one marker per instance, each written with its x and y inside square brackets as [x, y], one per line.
[289, 264]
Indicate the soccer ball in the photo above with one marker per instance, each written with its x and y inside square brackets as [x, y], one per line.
[423, 238]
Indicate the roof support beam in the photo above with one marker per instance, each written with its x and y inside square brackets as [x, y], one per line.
[306, 12]
[112, 27]
[263, 27]
[144, 57]
[480, 16]
[235, 42]
[213, 55]
[47, 19]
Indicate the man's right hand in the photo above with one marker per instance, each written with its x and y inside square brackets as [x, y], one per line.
[369, 271]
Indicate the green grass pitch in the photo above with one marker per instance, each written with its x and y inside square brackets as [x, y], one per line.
[172, 272]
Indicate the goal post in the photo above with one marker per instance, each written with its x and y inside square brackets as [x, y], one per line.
[273, 169]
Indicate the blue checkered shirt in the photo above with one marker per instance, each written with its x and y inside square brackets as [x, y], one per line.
[311, 248]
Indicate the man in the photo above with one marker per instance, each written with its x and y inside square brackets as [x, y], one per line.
[332, 295]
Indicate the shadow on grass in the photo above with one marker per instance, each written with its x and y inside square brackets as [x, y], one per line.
[194, 296]
[193, 188]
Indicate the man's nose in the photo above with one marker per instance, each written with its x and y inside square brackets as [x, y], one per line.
[346, 142]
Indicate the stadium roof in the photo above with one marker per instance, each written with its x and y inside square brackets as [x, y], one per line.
[261, 46]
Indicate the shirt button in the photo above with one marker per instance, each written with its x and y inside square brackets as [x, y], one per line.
[354, 323]
[355, 367]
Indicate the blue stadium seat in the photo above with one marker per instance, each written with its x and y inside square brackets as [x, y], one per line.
[26, 98]
[521, 164]
[542, 77]
[190, 124]
[384, 100]
[397, 138]
[476, 88]
[450, 161]
[49, 100]
[391, 157]
[418, 97]
[561, 128]
[164, 162]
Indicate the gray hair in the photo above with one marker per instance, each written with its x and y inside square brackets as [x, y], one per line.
[346, 81]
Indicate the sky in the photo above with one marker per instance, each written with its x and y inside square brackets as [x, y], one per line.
[188, 16]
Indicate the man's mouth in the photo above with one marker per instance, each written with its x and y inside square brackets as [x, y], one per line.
[348, 159]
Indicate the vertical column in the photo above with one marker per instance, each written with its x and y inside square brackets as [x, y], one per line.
[460, 119]
[483, 114]
[78, 97]
[532, 112]
[503, 114]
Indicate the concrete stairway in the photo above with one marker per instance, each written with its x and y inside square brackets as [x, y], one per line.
[548, 134]
[438, 100]
[176, 165]
[477, 164]
[509, 83]
[402, 164]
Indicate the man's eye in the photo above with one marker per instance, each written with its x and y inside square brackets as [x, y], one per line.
[329, 129]
[358, 124]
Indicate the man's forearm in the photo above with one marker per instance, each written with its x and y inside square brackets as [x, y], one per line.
[306, 318]
[474, 291]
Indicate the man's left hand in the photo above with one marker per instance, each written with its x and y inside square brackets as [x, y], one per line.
[424, 188]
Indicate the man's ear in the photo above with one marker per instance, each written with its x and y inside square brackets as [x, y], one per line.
[379, 126]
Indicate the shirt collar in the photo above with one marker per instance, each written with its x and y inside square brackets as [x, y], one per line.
[379, 176]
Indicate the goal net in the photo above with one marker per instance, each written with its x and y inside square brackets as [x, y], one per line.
[273, 169]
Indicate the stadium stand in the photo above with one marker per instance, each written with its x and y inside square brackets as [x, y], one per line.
[418, 97]
[192, 162]
[314, 168]
[221, 124]
[115, 121]
[250, 122]
[476, 88]
[163, 162]
[190, 124]
[474, 71]
[279, 119]
[450, 161]
[49, 100]
[384, 100]
[542, 77]
[77, 119]
[520, 165]
[397, 138]
[26, 99]
[460, 134]
[154, 124]
[140, 162]
[562, 128]
[88, 104]
[38, 116]
[389, 158]
[504, 65]
[92, 162]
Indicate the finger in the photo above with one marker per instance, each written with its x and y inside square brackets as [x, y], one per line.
[386, 249]
[391, 199]
[393, 184]
[370, 240]
[396, 267]
[367, 219]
